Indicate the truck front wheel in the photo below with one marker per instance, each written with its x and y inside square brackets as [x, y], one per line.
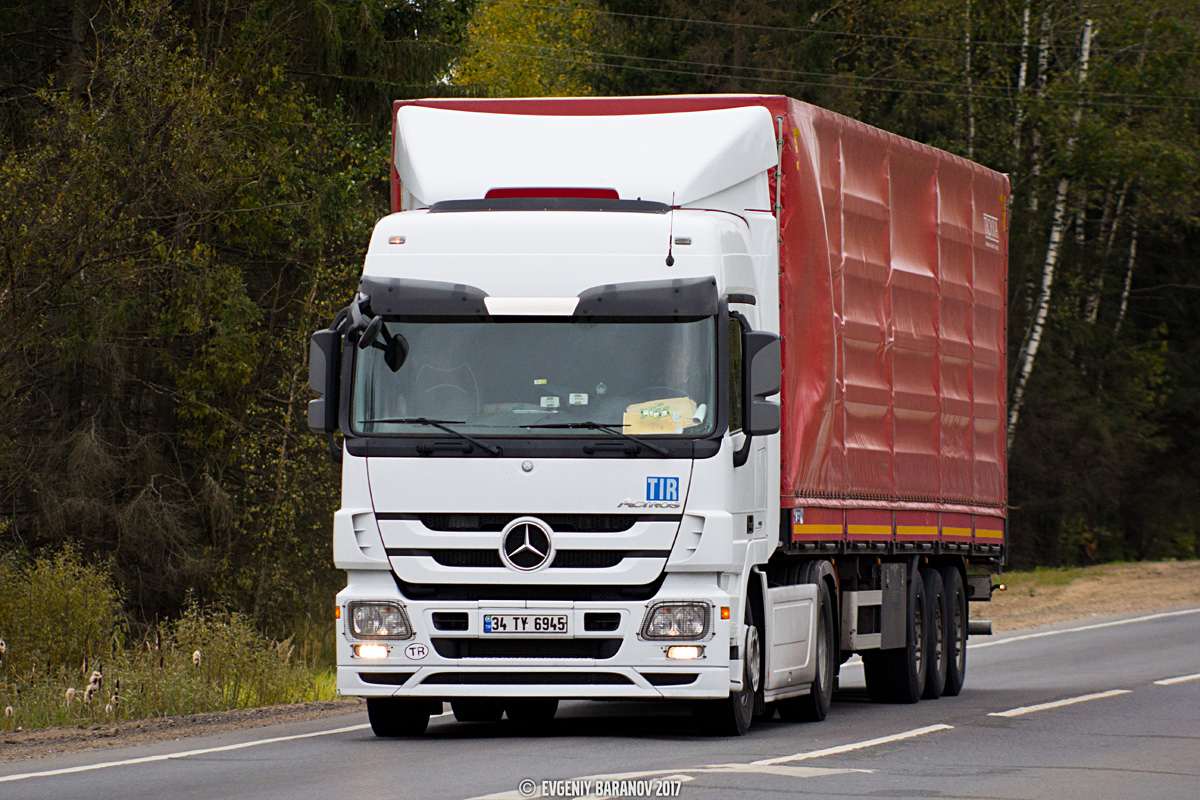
[400, 716]
[733, 715]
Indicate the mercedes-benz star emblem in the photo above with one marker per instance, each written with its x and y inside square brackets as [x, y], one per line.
[525, 545]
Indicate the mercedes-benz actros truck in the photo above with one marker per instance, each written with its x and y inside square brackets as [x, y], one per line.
[674, 398]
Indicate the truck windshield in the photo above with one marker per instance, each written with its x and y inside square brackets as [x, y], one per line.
[493, 377]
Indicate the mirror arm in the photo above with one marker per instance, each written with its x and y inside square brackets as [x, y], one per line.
[742, 454]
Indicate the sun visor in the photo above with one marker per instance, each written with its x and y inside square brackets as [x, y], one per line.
[461, 155]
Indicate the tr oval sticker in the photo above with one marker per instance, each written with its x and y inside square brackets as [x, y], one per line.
[416, 651]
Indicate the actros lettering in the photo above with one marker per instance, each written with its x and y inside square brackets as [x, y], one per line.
[627, 503]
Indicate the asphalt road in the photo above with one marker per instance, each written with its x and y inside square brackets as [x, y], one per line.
[1117, 726]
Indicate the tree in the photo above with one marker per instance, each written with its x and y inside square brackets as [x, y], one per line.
[185, 200]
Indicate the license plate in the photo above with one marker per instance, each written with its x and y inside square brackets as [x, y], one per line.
[525, 623]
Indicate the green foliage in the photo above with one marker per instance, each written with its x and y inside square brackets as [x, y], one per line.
[56, 611]
[66, 658]
[185, 200]
[521, 50]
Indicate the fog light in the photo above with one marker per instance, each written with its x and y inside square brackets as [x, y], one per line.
[685, 652]
[371, 650]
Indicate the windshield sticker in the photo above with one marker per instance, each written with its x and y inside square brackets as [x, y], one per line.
[539, 381]
[550, 401]
[577, 399]
[659, 416]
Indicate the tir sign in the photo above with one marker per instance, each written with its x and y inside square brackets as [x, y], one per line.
[662, 489]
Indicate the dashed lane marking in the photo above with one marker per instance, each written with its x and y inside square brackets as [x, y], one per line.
[1070, 701]
[1180, 679]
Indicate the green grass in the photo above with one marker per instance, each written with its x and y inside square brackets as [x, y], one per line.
[1030, 581]
[61, 625]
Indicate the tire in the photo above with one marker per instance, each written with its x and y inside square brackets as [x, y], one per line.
[897, 675]
[477, 709]
[399, 716]
[938, 645]
[531, 710]
[733, 715]
[813, 706]
[956, 631]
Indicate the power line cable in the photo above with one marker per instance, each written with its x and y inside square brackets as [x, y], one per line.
[1005, 92]
[814, 31]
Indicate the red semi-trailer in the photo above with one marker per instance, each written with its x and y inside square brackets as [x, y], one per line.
[858, 275]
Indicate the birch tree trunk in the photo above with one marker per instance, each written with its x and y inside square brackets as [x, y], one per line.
[1110, 222]
[1029, 352]
[1035, 155]
[1019, 121]
[1133, 241]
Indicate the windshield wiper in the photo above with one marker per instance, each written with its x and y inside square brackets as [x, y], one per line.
[440, 424]
[596, 426]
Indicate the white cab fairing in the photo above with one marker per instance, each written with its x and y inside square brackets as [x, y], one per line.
[671, 158]
[523, 254]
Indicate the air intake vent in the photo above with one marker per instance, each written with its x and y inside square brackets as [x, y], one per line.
[479, 558]
[567, 523]
[526, 648]
[527, 678]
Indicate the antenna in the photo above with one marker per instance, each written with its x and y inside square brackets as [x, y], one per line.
[671, 233]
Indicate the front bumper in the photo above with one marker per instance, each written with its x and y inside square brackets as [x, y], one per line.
[440, 663]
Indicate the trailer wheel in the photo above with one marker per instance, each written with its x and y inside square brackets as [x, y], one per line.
[936, 629]
[813, 706]
[477, 709]
[733, 715]
[897, 675]
[531, 710]
[399, 716]
[956, 631]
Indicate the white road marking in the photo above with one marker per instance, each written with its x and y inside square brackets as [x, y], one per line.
[184, 754]
[1041, 634]
[846, 748]
[1070, 701]
[1180, 679]
[768, 766]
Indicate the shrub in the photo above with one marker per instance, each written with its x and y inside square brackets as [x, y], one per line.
[67, 660]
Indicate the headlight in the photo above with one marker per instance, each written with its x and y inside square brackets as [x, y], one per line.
[675, 621]
[379, 621]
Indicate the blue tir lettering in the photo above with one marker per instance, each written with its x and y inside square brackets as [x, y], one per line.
[662, 489]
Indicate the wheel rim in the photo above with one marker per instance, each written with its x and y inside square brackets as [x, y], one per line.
[753, 659]
[918, 637]
[823, 653]
[960, 633]
[939, 629]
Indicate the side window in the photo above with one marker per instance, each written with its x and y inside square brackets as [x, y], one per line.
[735, 375]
